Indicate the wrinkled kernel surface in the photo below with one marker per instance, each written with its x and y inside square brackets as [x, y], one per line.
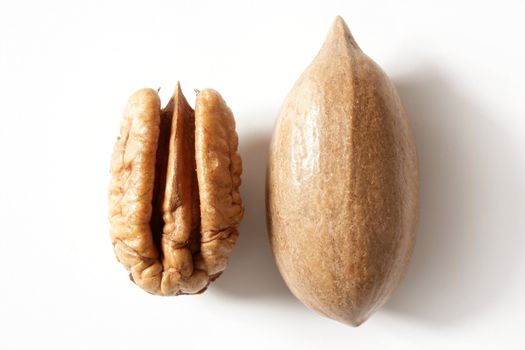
[172, 237]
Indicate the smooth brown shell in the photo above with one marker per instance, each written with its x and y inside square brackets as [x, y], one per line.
[174, 193]
[342, 184]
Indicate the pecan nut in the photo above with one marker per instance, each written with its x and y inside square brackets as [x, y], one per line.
[342, 185]
[174, 193]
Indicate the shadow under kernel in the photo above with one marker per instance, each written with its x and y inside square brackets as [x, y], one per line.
[252, 271]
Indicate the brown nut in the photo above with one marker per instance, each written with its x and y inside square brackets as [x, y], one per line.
[342, 185]
[174, 193]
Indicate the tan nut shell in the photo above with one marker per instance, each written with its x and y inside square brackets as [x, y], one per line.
[174, 192]
[342, 185]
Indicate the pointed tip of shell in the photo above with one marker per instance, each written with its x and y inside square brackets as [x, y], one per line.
[353, 319]
[340, 25]
[340, 32]
[356, 322]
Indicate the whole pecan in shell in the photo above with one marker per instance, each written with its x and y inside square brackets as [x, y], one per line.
[342, 185]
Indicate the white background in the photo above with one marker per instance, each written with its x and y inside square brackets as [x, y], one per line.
[66, 70]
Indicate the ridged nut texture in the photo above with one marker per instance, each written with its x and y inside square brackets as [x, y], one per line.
[174, 194]
[342, 184]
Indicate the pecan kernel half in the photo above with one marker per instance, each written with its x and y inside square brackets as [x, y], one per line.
[174, 193]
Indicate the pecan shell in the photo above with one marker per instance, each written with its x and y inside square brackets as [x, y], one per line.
[342, 185]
